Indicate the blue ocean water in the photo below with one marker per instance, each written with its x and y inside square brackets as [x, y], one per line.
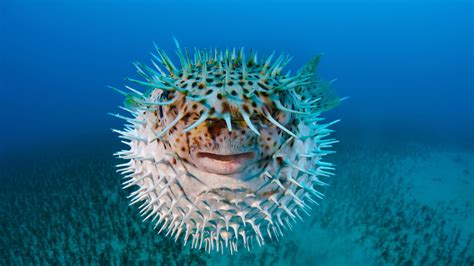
[407, 67]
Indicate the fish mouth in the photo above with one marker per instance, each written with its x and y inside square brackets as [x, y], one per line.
[227, 157]
[224, 163]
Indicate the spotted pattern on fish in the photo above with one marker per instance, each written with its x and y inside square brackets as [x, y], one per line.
[225, 151]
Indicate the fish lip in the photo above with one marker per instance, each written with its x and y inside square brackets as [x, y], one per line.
[227, 157]
[232, 163]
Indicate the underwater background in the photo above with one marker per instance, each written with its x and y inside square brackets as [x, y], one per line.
[403, 193]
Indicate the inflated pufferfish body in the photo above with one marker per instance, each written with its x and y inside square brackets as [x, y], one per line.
[226, 151]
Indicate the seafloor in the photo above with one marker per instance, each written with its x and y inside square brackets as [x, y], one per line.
[391, 203]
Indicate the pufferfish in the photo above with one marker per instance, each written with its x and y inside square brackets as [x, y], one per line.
[226, 152]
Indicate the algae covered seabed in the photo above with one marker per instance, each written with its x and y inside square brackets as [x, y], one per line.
[391, 203]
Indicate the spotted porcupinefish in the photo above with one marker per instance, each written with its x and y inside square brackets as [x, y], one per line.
[225, 151]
